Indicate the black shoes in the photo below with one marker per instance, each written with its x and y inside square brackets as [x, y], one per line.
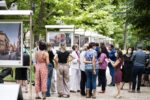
[133, 91]
[111, 84]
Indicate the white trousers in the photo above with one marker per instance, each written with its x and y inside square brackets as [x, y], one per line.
[75, 78]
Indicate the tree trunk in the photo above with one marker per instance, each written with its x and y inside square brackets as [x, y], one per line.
[125, 35]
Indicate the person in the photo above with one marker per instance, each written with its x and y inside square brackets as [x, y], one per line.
[97, 49]
[99, 75]
[82, 68]
[21, 73]
[103, 66]
[50, 68]
[41, 70]
[34, 52]
[90, 69]
[127, 68]
[118, 73]
[75, 70]
[36, 48]
[139, 61]
[61, 59]
[112, 57]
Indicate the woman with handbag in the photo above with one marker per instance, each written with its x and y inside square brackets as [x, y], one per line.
[90, 70]
[75, 70]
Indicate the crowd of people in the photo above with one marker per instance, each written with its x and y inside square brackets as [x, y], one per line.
[85, 69]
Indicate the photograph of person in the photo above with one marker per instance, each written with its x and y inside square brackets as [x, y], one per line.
[76, 39]
[10, 41]
[55, 38]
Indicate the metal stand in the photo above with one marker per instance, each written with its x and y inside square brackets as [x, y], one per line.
[20, 13]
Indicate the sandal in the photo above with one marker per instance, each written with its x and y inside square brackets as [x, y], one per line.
[37, 97]
[66, 96]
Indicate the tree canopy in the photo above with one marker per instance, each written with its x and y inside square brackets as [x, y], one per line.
[107, 17]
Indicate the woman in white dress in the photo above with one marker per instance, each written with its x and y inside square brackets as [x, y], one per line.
[75, 70]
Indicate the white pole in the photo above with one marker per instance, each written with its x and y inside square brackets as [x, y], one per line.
[31, 56]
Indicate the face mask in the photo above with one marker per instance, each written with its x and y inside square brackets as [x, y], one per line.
[116, 54]
[129, 52]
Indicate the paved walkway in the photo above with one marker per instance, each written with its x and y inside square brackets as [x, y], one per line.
[109, 95]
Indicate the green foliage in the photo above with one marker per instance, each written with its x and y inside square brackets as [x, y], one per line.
[139, 17]
[107, 17]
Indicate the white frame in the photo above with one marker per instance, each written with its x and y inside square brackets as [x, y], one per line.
[76, 35]
[25, 13]
[14, 63]
[58, 32]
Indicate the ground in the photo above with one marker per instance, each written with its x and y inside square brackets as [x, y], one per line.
[109, 95]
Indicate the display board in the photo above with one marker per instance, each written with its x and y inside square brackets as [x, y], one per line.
[82, 40]
[56, 37]
[76, 39]
[11, 43]
[86, 39]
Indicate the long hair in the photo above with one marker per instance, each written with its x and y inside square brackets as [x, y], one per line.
[42, 45]
[104, 50]
[63, 46]
[131, 51]
[119, 55]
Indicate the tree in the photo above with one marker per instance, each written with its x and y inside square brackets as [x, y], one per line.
[139, 17]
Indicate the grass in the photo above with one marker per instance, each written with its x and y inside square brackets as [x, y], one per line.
[10, 78]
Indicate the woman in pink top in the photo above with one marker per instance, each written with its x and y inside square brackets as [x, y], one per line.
[41, 71]
[103, 66]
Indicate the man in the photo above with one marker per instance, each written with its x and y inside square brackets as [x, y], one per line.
[112, 57]
[139, 60]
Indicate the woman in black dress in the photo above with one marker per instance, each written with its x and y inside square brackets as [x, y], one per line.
[21, 73]
[127, 68]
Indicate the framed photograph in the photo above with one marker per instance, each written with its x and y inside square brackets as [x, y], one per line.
[68, 39]
[56, 37]
[11, 44]
[86, 39]
[76, 39]
[82, 40]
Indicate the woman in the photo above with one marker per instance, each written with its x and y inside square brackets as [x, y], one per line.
[75, 70]
[118, 73]
[90, 69]
[62, 59]
[21, 73]
[127, 68]
[41, 71]
[50, 68]
[82, 68]
[103, 66]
